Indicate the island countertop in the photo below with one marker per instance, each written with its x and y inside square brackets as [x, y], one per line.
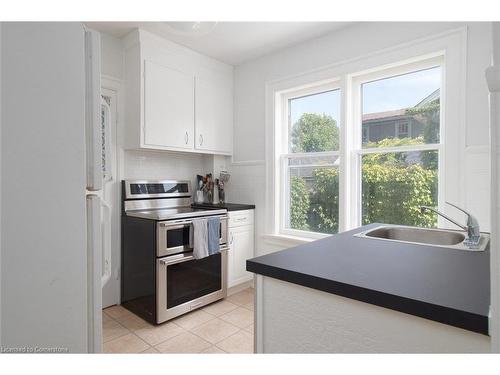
[445, 285]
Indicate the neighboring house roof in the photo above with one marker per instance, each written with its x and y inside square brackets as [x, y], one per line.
[383, 115]
[400, 112]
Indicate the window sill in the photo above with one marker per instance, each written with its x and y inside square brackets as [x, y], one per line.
[285, 240]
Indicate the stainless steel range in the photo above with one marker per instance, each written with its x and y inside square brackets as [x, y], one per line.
[160, 277]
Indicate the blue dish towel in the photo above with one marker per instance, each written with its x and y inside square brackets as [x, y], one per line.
[213, 235]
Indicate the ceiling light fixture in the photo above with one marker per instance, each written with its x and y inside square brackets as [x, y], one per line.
[191, 28]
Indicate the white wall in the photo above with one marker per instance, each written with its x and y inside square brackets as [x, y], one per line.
[352, 42]
[112, 56]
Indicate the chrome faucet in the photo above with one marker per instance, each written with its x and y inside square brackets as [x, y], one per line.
[472, 227]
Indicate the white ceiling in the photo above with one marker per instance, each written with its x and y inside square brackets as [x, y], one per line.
[231, 42]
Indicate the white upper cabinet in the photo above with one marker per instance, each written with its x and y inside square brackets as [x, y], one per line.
[176, 99]
[214, 115]
[168, 114]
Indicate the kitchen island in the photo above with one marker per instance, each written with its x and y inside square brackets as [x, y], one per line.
[358, 295]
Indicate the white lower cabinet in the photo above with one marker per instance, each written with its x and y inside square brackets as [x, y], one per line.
[241, 246]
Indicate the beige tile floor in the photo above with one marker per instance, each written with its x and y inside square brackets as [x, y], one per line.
[222, 327]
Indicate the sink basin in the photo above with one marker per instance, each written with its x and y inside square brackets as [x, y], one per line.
[423, 236]
[427, 236]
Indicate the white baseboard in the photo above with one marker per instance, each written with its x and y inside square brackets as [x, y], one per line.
[238, 288]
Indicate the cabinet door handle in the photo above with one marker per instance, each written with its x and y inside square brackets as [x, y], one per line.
[231, 238]
[186, 138]
[201, 139]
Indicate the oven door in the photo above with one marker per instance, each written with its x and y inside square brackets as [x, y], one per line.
[173, 236]
[184, 283]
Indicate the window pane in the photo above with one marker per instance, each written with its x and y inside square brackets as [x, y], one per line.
[402, 110]
[314, 122]
[395, 185]
[313, 201]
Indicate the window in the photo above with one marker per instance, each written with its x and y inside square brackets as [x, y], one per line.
[402, 130]
[394, 184]
[380, 166]
[311, 165]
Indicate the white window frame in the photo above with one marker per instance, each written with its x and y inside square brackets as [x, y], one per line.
[450, 44]
[285, 155]
[356, 151]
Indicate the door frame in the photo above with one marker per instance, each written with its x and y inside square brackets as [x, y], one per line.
[113, 88]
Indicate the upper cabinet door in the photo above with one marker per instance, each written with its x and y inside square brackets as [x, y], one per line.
[214, 115]
[168, 107]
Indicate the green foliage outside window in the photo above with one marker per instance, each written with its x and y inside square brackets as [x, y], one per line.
[315, 133]
[393, 193]
[299, 203]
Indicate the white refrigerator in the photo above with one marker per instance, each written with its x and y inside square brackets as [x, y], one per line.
[53, 218]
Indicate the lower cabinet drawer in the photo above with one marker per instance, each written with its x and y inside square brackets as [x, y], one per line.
[240, 218]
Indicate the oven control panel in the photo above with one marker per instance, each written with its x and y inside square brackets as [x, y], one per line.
[156, 189]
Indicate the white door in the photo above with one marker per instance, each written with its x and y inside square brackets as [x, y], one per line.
[168, 107]
[110, 199]
[214, 115]
[241, 242]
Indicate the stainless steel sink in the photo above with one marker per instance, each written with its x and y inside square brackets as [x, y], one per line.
[424, 236]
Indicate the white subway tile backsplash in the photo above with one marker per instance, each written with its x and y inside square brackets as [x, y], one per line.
[165, 165]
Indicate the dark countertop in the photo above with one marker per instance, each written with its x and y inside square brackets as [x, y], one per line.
[227, 206]
[445, 285]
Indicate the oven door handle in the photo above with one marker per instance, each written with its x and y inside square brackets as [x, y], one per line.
[181, 223]
[175, 226]
[168, 262]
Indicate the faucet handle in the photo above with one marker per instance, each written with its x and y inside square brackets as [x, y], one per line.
[458, 208]
[472, 223]
[469, 215]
